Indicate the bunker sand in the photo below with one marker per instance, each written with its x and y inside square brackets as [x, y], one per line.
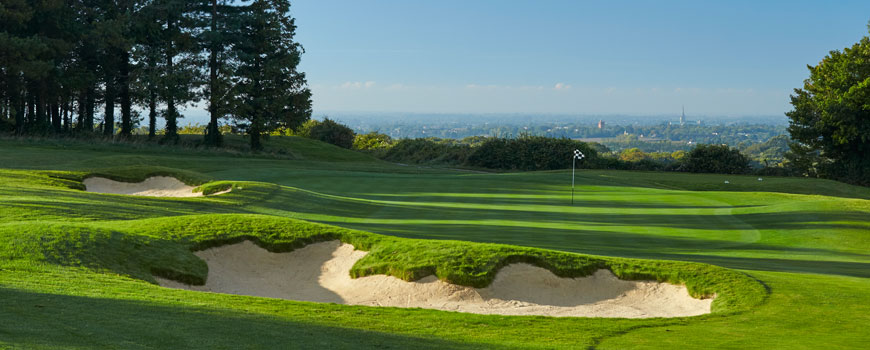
[156, 186]
[320, 273]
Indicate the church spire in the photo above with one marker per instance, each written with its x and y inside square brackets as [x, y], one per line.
[683, 116]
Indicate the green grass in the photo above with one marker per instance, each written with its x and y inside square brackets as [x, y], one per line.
[792, 255]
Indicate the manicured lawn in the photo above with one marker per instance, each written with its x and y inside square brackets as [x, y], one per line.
[75, 266]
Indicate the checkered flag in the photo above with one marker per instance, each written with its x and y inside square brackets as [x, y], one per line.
[577, 156]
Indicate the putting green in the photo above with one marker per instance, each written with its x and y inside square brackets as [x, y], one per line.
[804, 240]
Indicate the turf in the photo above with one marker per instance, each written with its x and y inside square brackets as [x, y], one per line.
[794, 253]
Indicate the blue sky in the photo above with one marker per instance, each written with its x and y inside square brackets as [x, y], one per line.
[580, 57]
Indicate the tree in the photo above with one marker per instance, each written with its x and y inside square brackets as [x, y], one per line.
[830, 122]
[147, 53]
[218, 37]
[373, 141]
[719, 159]
[270, 93]
[179, 64]
[330, 131]
[632, 155]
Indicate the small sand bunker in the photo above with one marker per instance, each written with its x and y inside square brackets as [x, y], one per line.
[320, 272]
[156, 186]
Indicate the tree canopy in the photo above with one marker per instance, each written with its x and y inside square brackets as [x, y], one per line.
[830, 122]
[719, 159]
[66, 65]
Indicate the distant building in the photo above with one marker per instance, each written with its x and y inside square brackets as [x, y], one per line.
[600, 124]
[683, 116]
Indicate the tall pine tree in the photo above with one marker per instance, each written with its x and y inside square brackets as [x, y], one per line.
[271, 93]
[179, 66]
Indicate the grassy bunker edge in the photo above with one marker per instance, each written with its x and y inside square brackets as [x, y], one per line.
[163, 247]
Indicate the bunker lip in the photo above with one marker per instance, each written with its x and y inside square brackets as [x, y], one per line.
[319, 272]
[155, 186]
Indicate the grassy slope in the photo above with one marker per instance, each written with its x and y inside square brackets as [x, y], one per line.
[812, 251]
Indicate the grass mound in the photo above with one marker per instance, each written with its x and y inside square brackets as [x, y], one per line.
[162, 246]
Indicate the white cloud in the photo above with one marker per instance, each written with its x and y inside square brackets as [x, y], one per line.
[561, 86]
[357, 85]
[503, 87]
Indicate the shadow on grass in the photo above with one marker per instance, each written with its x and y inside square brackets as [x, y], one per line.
[634, 246]
[558, 200]
[306, 202]
[30, 320]
[33, 204]
[843, 268]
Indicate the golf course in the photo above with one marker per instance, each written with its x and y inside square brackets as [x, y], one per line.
[781, 262]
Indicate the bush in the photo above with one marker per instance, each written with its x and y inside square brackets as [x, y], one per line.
[428, 151]
[531, 153]
[372, 141]
[719, 159]
[328, 131]
[633, 155]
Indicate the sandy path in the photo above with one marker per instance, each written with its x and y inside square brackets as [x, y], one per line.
[320, 273]
[155, 186]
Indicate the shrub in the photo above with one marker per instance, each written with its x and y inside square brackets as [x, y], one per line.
[719, 159]
[372, 141]
[633, 155]
[428, 151]
[530, 153]
[328, 131]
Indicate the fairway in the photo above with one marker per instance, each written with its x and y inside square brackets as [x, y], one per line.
[76, 267]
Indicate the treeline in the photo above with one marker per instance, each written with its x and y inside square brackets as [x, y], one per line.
[65, 66]
[659, 137]
[530, 152]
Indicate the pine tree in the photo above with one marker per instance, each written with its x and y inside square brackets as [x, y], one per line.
[180, 61]
[146, 55]
[271, 93]
[220, 31]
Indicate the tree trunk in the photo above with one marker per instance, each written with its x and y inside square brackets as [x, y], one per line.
[31, 110]
[152, 114]
[41, 114]
[212, 133]
[171, 113]
[109, 117]
[89, 109]
[255, 135]
[18, 105]
[67, 117]
[126, 117]
[80, 122]
[55, 117]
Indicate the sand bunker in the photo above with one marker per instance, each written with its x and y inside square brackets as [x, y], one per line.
[320, 273]
[156, 186]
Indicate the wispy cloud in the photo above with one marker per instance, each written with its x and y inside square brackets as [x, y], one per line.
[503, 87]
[358, 85]
[561, 86]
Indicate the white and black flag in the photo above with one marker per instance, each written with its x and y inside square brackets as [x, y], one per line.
[577, 156]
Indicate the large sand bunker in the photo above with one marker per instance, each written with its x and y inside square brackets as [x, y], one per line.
[155, 186]
[320, 272]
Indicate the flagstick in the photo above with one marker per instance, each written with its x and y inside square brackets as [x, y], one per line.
[573, 166]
